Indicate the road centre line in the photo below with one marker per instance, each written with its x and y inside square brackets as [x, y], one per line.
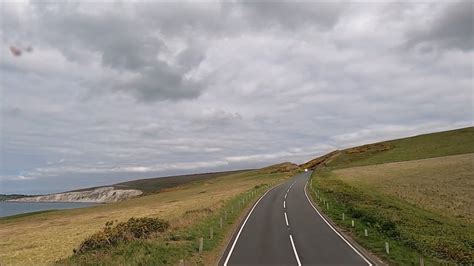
[294, 250]
[286, 220]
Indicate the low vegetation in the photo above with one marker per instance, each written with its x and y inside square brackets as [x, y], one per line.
[433, 145]
[412, 231]
[443, 185]
[4, 197]
[145, 242]
[189, 208]
[153, 185]
[122, 233]
[421, 207]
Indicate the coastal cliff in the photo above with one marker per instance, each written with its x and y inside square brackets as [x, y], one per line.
[96, 195]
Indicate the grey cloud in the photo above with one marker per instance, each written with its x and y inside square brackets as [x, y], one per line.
[127, 46]
[451, 28]
[288, 14]
[260, 87]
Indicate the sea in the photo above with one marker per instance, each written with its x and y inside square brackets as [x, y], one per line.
[13, 208]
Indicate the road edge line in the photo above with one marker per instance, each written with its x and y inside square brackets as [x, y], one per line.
[334, 229]
[243, 225]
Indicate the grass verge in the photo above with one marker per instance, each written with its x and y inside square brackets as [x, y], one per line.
[178, 244]
[410, 231]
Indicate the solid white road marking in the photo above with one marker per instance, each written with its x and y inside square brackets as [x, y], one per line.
[284, 204]
[286, 220]
[334, 229]
[286, 194]
[242, 227]
[294, 250]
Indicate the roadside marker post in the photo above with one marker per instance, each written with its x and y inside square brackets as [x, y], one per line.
[225, 215]
[422, 261]
[352, 223]
[343, 217]
[366, 233]
[387, 248]
[211, 233]
[220, 222]
[201, 242]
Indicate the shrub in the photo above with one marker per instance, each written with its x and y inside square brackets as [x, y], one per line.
[133, 229]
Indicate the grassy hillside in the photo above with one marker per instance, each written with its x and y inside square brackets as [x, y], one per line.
[459, 141]
[4, 197]
[413, 193]
[443, 185]
[50, 236]
[150, 185]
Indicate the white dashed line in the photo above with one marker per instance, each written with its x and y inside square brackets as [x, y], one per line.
[284, 204]
[294, 250]
[286, 220]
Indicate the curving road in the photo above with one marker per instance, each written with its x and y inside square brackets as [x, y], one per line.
[283, 228]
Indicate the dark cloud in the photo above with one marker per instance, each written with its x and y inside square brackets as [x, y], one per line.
[452, 27]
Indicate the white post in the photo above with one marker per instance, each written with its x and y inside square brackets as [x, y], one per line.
[211, 233]
[422, 261]
[352, 223]
[225, 215]
[366, 233]
[343, 217]
[387, 248]
[201, 242]
[327, 205]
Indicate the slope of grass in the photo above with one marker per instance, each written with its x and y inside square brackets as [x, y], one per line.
[47, 237]
[459, 141]
[150, 185]
[444, 184]
[401, 203]
[181, 242]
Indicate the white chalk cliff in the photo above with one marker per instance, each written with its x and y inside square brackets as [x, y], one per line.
[97, 195]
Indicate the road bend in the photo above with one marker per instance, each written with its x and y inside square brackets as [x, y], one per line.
[283, 228]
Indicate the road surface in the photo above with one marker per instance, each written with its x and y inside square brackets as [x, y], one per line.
[283, 228]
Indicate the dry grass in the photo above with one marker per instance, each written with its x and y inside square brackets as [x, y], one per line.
[443, 184]
[47, 237]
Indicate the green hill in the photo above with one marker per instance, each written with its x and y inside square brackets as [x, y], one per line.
[150, 185]
[453, 142]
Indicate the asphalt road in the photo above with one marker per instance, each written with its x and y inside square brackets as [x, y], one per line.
[283, 228]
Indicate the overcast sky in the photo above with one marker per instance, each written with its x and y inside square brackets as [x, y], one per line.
[103, 93]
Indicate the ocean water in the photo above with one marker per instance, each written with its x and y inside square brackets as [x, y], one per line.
[13, 208]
